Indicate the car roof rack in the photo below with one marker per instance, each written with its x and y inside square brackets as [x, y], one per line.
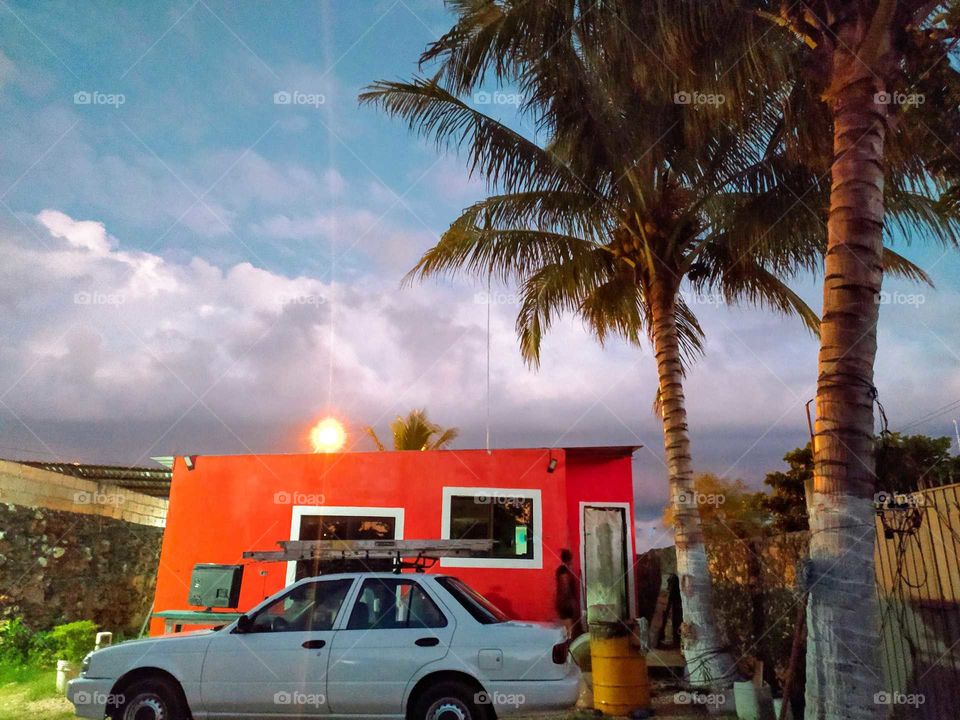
[416, 555]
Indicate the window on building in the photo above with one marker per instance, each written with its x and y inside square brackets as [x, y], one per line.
[385, 604]
[345, 527]
[505, 519]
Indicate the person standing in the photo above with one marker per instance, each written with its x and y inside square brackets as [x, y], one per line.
[673, 612]
[567, 598]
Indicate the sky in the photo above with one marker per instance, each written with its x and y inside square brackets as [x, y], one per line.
[203, 238]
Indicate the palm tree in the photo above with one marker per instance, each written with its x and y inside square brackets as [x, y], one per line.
[629, 196]
[416, 432]
[877, 80]
[606, 219]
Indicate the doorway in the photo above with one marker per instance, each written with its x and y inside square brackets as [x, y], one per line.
[607, 561]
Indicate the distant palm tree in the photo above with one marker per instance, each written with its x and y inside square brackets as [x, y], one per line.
[416, 432]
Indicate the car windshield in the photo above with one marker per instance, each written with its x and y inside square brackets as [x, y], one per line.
[482, 610]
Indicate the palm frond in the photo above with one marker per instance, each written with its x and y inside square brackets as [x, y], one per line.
[444, 439]
[415, 431]
[503, 157]
[752, 283]
[553, 290]
[898, 266]
[920, 214]
[569, 213]
[376, 438]
[510, 255]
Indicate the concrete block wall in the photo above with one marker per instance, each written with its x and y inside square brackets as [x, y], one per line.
[33, 487]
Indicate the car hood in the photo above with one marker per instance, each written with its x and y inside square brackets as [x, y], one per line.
[170, 637]
[113, 661]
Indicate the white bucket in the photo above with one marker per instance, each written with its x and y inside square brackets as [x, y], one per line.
[777, 705]
[753, 702]
[66, 671]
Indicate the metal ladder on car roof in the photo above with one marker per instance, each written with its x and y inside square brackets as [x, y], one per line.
[424, 553]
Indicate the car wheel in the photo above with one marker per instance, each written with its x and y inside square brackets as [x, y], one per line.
[150, 699]
[451, 701]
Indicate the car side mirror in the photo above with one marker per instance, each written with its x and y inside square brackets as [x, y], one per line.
[244, 624]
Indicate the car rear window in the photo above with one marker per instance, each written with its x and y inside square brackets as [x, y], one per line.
[482, 610]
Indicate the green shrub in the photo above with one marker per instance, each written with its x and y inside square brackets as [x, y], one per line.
[16, 641]
[21, 646]
[70, 641]
[42, 650]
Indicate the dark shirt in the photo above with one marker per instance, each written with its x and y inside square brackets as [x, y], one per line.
[567, 601]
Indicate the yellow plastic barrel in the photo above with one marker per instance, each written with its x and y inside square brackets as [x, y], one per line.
[620, 682]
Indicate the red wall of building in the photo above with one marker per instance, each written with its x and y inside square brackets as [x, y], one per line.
[599, 475]
[229, 504]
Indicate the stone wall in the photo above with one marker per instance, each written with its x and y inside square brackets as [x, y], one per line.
[71, 550]
[58, 566]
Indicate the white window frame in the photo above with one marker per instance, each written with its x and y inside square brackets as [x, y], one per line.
[536, 563]
[301, 511]
[630, 559]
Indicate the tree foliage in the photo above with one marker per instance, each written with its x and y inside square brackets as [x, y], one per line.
[415, 431]
[786, 501]
[630, 183]
[905, 464]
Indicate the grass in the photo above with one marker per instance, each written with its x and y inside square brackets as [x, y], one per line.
[30, 692]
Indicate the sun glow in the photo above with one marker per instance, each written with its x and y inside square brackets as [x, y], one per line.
[327, 435]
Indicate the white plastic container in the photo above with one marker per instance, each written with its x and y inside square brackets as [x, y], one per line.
[66, 671]
[754, 702]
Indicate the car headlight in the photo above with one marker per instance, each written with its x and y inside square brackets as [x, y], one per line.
[85, 664]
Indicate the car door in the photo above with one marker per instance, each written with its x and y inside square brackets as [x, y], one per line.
[394, 629]
[275, 663]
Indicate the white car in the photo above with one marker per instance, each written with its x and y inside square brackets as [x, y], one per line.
[375, 645]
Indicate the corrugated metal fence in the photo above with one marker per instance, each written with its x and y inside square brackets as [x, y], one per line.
[918, 581]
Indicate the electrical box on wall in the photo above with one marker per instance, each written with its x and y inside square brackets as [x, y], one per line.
[215, 585]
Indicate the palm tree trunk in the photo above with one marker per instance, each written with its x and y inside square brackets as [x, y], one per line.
[842, 669]
[708, 663]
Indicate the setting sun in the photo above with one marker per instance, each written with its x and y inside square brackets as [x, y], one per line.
[327, 435]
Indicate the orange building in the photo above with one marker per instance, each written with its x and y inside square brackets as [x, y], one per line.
[532, 503]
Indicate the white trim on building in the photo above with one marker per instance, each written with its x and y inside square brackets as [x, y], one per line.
[300, 511]
[536, 563]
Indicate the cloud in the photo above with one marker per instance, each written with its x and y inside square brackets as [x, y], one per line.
[106, 333]
[118, 353]
[88, 235]
[451, 180]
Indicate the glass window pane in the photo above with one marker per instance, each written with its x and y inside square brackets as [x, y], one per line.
[505, 519]
[394, 604]
[482, 610]
[422, 611]
[470, 518]
[345, 527]
[330, 597]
